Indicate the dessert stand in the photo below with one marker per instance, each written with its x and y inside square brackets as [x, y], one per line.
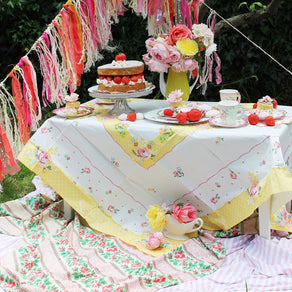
[121, 105]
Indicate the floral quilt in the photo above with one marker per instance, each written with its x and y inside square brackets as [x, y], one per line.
[56, 254]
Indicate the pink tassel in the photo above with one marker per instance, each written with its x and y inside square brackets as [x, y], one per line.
[213, 23]
[210, 65]
[195, 5]
[218, 68]
[140, 6]
[186, 12]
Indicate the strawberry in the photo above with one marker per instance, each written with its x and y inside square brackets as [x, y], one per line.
[117, 79]
[109, 78]
[270, 121]
[140, 76]
[101, 77]
[125, 79]
[168, 112]
[134, 78]
[182, 117]
[275, 103]
[120, 57]
[132, 116]
[253, 119]
[255, 105]
[194, 115]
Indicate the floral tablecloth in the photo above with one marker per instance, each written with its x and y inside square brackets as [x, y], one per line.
[111, 171]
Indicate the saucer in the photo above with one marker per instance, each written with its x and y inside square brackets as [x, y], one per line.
[72, 112]
[217, 122]
[276, 113]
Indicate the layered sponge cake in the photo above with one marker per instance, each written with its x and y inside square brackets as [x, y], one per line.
[121, 75]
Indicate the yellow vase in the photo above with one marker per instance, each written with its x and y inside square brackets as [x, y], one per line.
[175, 81]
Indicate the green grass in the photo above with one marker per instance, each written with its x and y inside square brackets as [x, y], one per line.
[18, 185]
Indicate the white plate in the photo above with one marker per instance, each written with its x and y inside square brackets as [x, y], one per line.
[217, 122]
[276, 113]
[155, 116]
[73, 113]
[93, 92]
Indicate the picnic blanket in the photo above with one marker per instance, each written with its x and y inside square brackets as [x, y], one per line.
[50, 253]
[252, 264]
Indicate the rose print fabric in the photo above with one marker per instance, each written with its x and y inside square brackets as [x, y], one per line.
[112, 171]
[55, 254]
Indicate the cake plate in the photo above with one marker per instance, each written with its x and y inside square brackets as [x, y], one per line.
[121, 105]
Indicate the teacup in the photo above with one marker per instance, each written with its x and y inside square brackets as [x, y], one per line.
[230, 94]
[230, 112]
[178, 230]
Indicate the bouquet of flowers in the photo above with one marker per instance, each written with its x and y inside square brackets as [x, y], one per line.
[157, 216]
[181, 49]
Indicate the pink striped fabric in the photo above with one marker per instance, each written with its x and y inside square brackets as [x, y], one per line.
[252, 262]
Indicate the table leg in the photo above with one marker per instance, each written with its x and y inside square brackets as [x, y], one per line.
[265, 219]
[68, 211]
[288, 206]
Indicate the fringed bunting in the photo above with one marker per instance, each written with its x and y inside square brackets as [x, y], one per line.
[186, 14]
[217, 58]
[30, 92]
[46, 48]
[90, 46]
[69, 47]
[9, 118]
[195, 6]
[7, 161]
[21, 108]
[9, 137]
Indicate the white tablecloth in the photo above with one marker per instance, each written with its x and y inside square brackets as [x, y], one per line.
[111, 171]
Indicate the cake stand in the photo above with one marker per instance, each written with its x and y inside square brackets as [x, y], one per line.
[121, 105]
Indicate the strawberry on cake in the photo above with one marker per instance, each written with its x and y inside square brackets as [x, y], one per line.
[121, 75]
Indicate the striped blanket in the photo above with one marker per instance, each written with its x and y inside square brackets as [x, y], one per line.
[252, 264]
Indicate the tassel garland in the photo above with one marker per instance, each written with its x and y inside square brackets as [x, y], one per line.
[70, 46]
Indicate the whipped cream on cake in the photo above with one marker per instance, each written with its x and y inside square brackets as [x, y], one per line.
[121, 75]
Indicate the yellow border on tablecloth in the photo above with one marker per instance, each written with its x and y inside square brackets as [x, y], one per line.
[85, 204]
[277, 181]
[169, 136]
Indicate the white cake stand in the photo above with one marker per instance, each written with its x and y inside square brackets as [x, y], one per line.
[120, 106]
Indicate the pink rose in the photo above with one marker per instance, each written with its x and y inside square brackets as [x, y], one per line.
[175, 96]
[44, 158]
[157, 66]
[143, 152]
[149, 43]
[190, 65]
[184, 214]
[146, 58]
[177, 67]
[174, 56]
[159, 52]
[155, 239]
[178, 32]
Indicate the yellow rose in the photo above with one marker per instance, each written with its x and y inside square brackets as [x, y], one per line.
[187, 47]
[156, 217]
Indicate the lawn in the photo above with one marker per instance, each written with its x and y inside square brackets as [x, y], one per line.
[18, 185]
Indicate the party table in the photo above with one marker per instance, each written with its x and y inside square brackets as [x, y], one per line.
[111, 171]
